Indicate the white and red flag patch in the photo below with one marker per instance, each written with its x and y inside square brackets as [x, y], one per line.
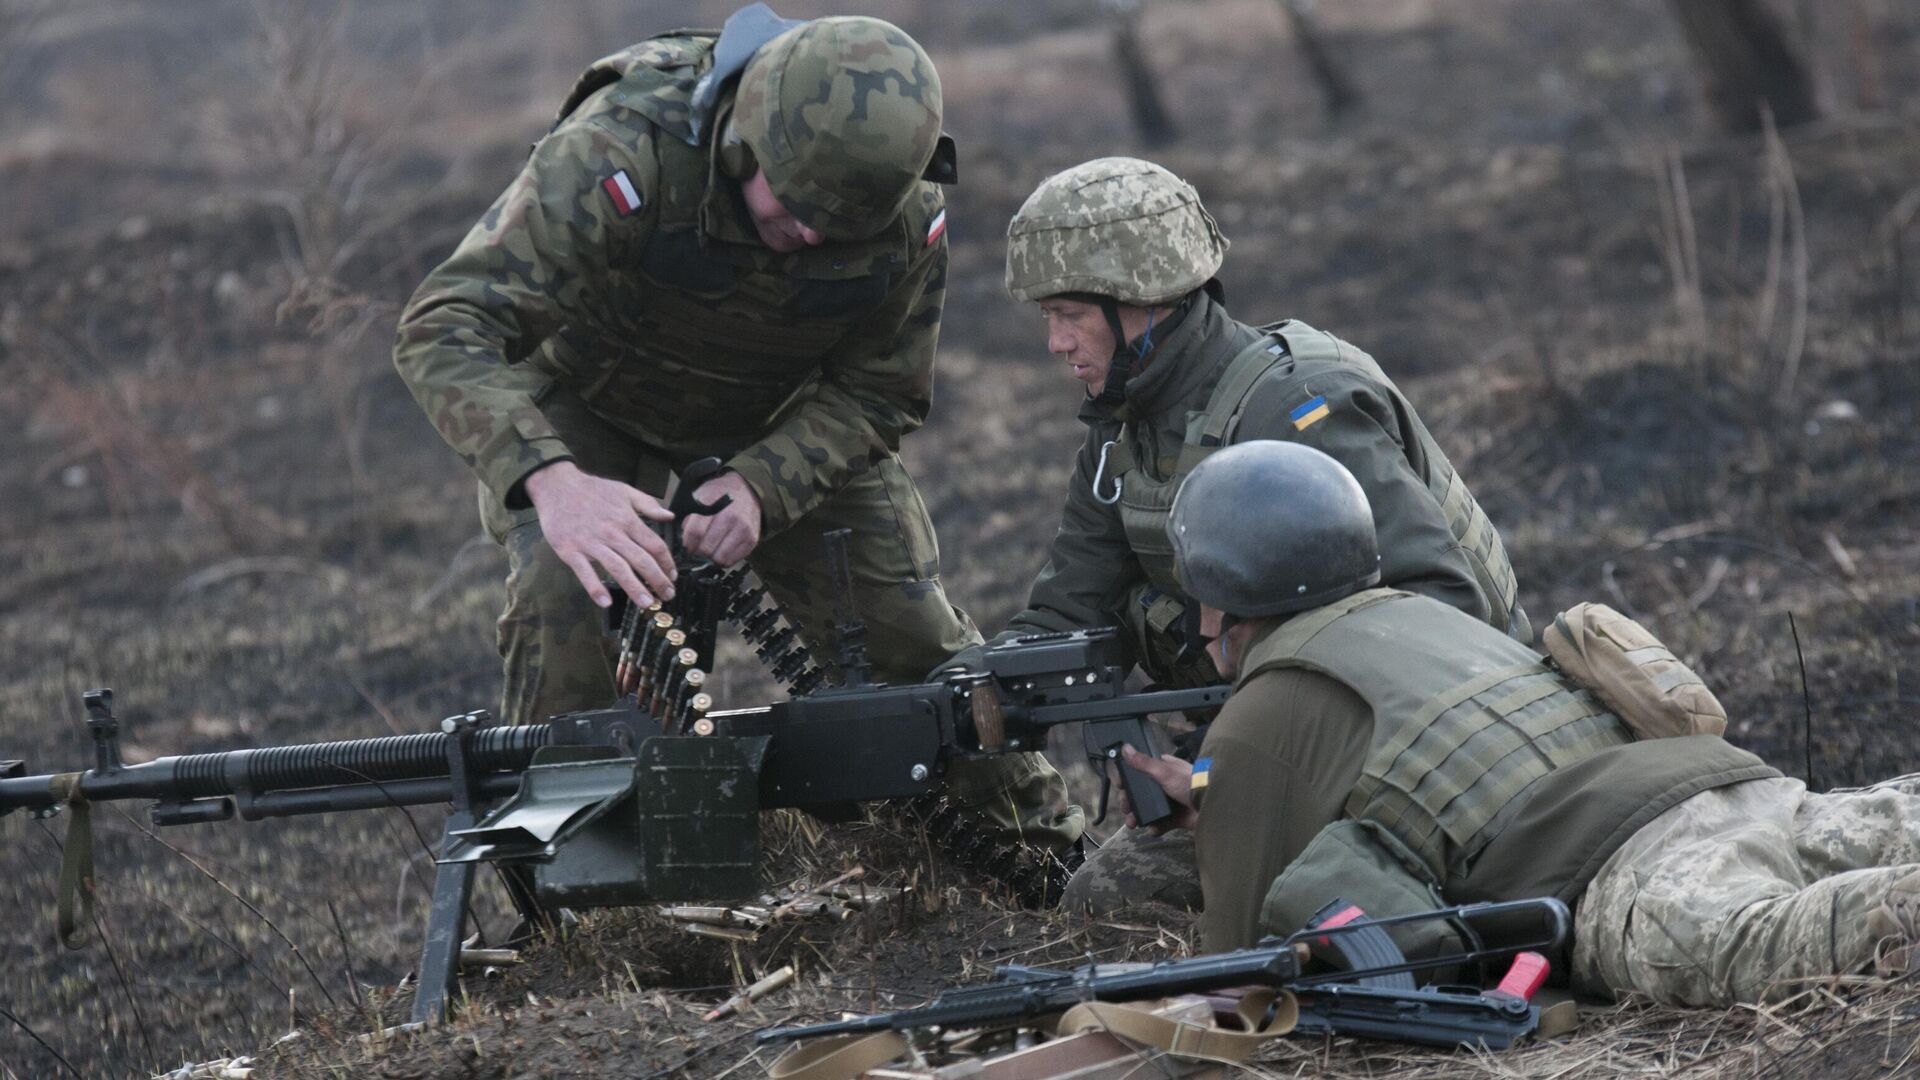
[620, 189]
[939, 227]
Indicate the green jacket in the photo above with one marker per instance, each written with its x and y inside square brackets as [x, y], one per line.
[1485, 774]
[1112, 561]
[622, 264]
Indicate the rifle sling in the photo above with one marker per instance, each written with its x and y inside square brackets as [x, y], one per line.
[847, 1056]
[1180, 1038]
[838, 1057]
[1557, 1019]
[76, 863]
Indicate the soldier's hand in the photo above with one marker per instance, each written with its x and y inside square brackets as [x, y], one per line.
[1174, 776]
[730, 535]
[594, 523]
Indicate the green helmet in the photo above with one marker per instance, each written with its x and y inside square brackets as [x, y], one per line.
[843, 116]
[1115, 227]
[1268, 527]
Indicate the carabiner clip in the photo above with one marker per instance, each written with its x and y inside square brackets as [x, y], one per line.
[1101, 471]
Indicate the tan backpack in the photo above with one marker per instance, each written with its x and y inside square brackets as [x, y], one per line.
[1632, 673]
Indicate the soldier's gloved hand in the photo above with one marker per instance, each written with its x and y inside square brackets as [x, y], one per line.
[591, 522]
[1174, 776]
[729, 536]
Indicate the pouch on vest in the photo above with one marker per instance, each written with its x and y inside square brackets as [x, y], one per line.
[1628, 669]
[1364, 863]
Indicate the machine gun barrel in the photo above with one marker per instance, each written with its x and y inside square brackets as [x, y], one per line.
[363, 773]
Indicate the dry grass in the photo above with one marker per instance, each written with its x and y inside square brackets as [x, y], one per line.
[1645, 391]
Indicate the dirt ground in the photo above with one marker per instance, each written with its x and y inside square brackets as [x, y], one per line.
[1677, 368]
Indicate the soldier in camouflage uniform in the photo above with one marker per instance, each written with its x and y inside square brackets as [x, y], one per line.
[1120, 255]
[726, 246]
[1386, 748]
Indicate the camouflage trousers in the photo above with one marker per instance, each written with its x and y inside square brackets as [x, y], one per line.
[1747, 892]
[1135, 866]
[557, 657]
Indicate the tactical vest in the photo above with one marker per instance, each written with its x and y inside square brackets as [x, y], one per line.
[1465, 718]
[702, 342]
[1147, 487]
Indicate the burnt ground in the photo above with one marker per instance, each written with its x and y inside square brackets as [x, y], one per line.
[1677, 368]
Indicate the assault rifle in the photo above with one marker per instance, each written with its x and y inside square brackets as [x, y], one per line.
[1369, 991]
[636, 803]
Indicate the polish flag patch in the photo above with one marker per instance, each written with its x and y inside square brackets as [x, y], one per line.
[939, 227]
[620, 189]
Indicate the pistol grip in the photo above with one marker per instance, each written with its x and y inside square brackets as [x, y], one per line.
[1144, 796]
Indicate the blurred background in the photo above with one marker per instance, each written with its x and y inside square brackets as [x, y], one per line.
[1650, 269]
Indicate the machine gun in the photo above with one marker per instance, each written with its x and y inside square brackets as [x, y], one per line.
[1369, 992]
[636, 803]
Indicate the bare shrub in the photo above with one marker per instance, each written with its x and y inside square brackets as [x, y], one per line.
[321, 137]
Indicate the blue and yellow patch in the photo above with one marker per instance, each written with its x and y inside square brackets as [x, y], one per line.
[1309, 413]
[1202, 769]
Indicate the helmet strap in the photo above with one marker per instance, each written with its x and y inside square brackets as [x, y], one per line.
[1114, 393]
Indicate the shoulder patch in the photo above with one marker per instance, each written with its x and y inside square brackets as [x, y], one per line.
[1309, 412]
[626, 198]
[937, 228]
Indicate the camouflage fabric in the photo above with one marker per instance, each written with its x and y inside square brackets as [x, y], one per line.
[1748, 893]
[1134, 866]
[557, 658]
[1117, 227]
[617, 307]
[621, 265]
[1101, 572]
[843, 115]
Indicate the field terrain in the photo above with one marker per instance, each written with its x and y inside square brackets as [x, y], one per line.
[1677, 367]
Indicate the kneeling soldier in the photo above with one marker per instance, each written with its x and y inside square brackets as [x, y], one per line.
[1121, 258]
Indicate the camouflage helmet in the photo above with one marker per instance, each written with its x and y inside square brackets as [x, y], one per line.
[843, 115]
[1268, 527]
[1115, 227]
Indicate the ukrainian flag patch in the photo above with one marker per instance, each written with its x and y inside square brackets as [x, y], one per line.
[1201, 770]
[1309, 413]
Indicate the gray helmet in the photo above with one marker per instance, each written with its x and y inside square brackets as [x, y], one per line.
[1115, 227]
[1267, 528]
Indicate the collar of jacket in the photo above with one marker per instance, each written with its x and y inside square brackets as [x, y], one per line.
[1183, 366]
